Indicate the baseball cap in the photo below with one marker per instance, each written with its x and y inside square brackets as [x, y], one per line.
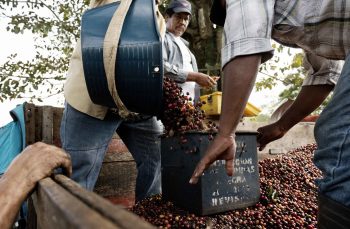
[180, 6]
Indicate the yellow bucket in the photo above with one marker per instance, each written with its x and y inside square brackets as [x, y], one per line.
[212, 105]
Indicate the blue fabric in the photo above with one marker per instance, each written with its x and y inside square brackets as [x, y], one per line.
[86, 139]
[332, 133]
[12, 138]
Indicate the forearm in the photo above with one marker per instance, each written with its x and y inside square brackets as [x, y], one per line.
[13, 193]
[309, 98]
[192, 76]
[34, 163]
[239, 78]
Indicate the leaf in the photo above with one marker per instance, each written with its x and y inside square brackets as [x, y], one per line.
[297, 60]
[55, 35]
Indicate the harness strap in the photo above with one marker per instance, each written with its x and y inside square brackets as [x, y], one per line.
[110, 48]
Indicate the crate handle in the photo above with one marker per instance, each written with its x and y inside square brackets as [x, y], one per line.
[210, 99]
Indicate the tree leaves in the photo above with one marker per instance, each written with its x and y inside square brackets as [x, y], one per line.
[55, 27]
[278, 70]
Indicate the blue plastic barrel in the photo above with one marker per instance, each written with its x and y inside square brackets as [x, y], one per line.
[139, 67]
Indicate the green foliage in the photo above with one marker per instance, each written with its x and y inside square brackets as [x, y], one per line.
[55, 26]
[276, 71]
[291, 75]
[293, 81]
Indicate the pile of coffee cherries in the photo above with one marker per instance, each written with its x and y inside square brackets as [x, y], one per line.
[288, 199]
[180, 113]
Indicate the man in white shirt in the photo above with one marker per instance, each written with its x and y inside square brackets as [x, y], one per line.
[179, 62]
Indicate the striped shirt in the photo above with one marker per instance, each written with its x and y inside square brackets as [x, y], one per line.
[320, 71]
[321, 27]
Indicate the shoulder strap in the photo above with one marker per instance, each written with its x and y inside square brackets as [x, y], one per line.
[110, 47]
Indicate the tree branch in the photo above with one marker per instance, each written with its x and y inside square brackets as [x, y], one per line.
[51, 11]
[273, 77]
[41, 97]
[24, 77]
[36, 3]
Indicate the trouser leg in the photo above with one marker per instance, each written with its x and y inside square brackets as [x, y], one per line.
[143, 142]
[332, 214]
[332, 134]
[86, 139]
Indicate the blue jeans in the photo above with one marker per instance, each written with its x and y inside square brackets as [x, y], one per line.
[86, 139]
[332, 133]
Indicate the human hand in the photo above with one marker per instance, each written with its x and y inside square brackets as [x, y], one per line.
[222, 148]
[36, 162]
[269, 133]
[216, 78]
[205, 80]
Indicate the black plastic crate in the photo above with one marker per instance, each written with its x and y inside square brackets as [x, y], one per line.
[215, 191]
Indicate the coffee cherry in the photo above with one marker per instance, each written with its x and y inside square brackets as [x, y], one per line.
[180, 113]
[288, 199]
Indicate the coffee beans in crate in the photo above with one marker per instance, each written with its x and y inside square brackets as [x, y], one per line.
[288, 199]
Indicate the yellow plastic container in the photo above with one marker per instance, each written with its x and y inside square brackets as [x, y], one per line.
[251, 110]
[212, 105]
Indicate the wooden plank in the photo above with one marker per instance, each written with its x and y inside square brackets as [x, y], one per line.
[29, 117]
[58, 208]
[31, 219]
[38, 123]
[117, 215]
[57, 116]
[47, 125]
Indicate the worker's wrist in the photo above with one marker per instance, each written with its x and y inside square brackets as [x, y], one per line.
[226, 133]
[19, 181]
[192, 76]
[16, 187]
[284, 125]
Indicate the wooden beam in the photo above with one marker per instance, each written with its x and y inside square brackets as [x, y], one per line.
[29, 117]
[62, 203]
[116, 214]
[47, 125]
[57, 116]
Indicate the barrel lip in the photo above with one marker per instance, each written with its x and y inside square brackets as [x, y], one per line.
[252, 132]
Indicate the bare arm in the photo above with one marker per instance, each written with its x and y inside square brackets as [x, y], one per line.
[309, 98]
[33, 164]
[202, 79]
[239, 79]
[181, 76]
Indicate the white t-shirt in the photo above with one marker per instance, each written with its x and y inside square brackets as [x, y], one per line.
[187, 66]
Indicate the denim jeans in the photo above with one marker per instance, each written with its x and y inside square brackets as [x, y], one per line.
[86, 139]
[333, 140]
